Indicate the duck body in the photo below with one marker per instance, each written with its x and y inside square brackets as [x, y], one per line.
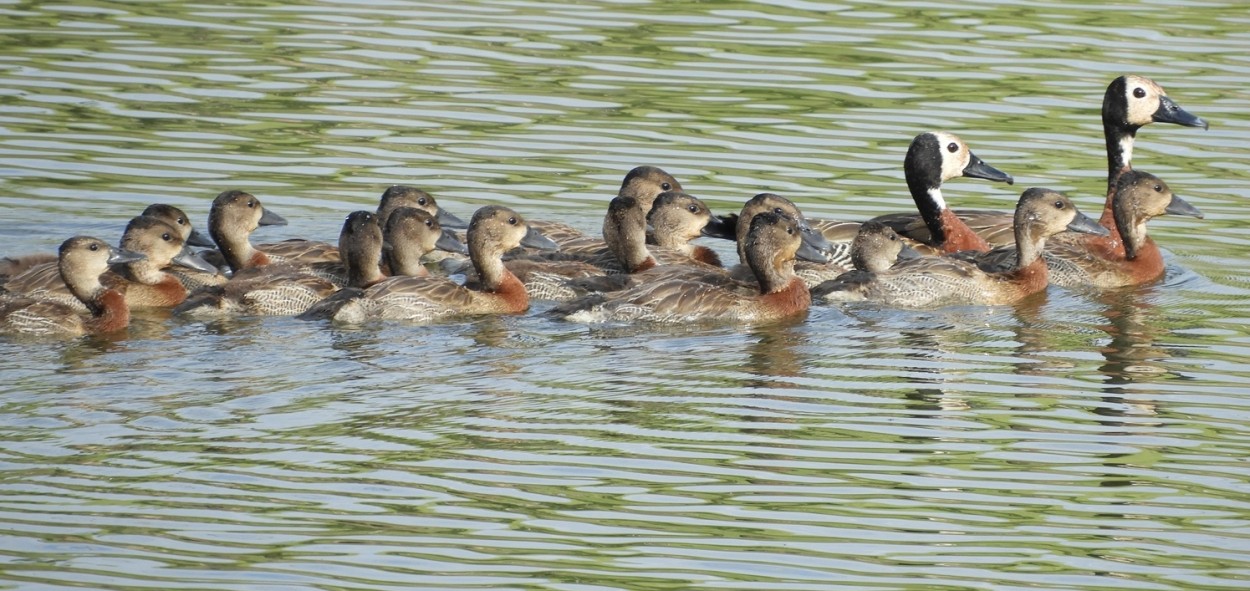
[773, 242]
[1130, 256]
[81, 260]
[1129, 103]
[144, 283]
[1000, 276]
[287, 289]
[492, 231]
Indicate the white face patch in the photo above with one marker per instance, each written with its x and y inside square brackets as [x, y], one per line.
[953, 162]
[1141, 109]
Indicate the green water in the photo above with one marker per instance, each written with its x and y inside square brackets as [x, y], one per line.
[1076, 442]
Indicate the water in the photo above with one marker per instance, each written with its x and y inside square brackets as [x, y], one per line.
[1075, 442]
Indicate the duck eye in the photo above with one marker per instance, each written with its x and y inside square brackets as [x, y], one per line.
[166, 237]
[421, 201]
[512, 221]
[429, 223]
[1058, 205]
[777, 210]
[182, 222]
[94, 247]
[952, 147]
[1139, 92]
[251, 204]
[893, 237]
[666, 186]
[1158, 188]
[693, 208]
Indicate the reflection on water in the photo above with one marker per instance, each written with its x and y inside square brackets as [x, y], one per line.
[1076, 441]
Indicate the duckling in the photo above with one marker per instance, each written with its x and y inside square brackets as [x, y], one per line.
[932, 158]
[143, 282]
[1130, 103]
[80, 261]
[493, 231]
[410, 234]
[288, 289]
[1001, 276]
[1083, 260]
[876, 248]
[772, 242]
[14, 266]
[397, 196]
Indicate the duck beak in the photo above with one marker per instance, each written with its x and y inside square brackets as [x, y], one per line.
[807, 253]
[269, 218]
[1179, 206]
[1083, 224]
[816, 241]
[535, 239]
[118, 256]
[191, 260]
[1170, 112]
[447, 219]
[448, 242]
[907, 254]
[198, 239]
[978, 169]
[719, 227]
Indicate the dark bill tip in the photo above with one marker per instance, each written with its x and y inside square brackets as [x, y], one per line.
[447, 219]
[1179, 206]
[1085, 225]
[978, 169]
[720, 227]
[535, 239]
[447, 242]
[1170, 112]
[269, 218]
[198, 239]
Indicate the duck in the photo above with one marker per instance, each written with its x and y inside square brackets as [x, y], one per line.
[1129, 103]
[13, 266]
[1001, 276]
[933, 157]
[289, 288]
[642, 183]
[409, 234]
[493, 230]
[815, 261]
[772, 243]
[1128, 257]
[397, 196]
[876, 248]
[144, 282]
[232, 218]
[81, 260]
[675, 219]
[180, 221]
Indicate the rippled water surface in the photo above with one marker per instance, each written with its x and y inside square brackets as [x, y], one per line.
[1074, 442]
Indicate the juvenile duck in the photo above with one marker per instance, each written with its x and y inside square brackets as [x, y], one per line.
[397, 196]
[144, 282]
[772, 243]
[1001, 276]
[643, 183]
[817, 260]
[493, 231]
[1127, 256]
[14, 266]
[410, 234]
[876, 248]
[81, 260]
[288, 289]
